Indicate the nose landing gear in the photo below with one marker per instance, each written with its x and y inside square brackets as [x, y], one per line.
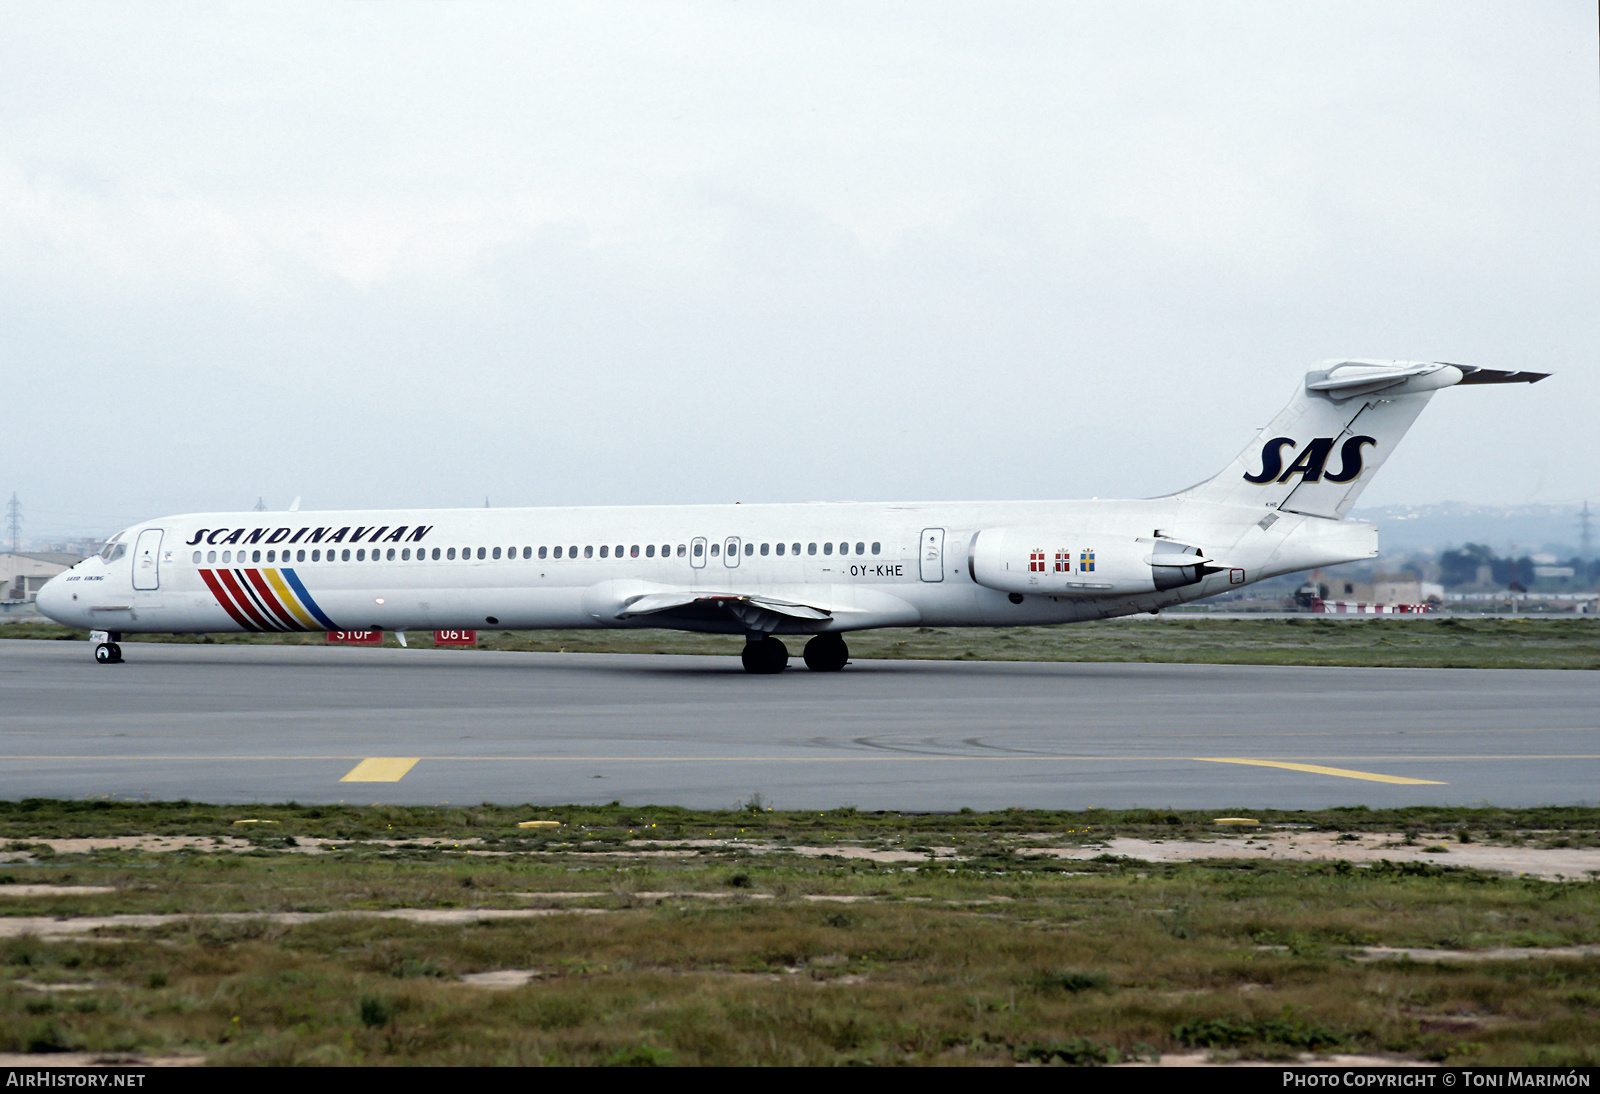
[107, 647]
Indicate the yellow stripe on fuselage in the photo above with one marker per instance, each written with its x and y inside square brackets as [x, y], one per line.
[290, 601]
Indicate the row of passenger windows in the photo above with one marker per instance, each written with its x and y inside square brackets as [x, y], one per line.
[698, 549]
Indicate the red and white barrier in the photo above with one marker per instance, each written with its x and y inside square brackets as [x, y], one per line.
[1342, 607]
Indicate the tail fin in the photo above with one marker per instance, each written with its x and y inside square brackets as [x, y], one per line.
[1321, 451]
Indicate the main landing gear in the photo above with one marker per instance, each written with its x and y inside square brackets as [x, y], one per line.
[824, 653]
[765, 655]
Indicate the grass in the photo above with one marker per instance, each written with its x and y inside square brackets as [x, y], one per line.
[1378, 642]
[649, 937]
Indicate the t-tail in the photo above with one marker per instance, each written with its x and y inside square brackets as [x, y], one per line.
[1326, 445]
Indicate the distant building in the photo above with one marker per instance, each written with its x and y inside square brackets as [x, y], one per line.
[1396, 589]
[1384, 594]
[22, 574]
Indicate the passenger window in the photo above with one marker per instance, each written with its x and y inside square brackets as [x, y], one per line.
[827, 548]
[197, 556]
[496, 552]
[749, 548]
[633, 552]
[764, 548]
[861, 548]
[780, 549]
[811, 548]
[680, 550]
[715, 547]
[876, 547]
[389, 554]
[450, 554]
[603, 550]
[211, 556]
[436, 554]
[227, 556]
[558, 552]
[619, 550]
[649, 550]
[588, 552]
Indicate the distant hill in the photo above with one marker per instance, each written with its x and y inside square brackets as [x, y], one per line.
[1552, 529]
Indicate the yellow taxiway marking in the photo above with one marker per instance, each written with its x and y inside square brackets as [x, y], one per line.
[381, 769]
[1315, 769]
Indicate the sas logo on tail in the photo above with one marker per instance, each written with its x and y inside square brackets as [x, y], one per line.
[1309, 466]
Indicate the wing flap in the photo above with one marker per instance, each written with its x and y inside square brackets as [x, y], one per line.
[737, 604]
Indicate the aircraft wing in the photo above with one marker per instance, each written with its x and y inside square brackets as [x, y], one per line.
[760, 613]
[792, 609]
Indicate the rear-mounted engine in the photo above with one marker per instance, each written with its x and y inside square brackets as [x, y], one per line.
[1053, 562]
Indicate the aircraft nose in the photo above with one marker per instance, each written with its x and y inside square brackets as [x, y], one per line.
[54, 600]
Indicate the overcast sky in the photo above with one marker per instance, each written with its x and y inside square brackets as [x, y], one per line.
[392, 254]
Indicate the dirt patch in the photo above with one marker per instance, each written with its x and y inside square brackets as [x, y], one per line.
[1550, 864]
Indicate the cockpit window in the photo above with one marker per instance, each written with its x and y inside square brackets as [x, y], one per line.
[114, 549]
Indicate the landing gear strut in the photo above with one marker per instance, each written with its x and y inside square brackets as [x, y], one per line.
[826, 653]
[765, 655]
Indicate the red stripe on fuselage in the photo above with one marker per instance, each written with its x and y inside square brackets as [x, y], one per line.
[270, 598]
[223, 598]
[242, 598]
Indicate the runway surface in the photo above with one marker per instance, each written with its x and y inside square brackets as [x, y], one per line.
[310, 724]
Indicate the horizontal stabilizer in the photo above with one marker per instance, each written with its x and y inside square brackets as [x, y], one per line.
[1496, 376]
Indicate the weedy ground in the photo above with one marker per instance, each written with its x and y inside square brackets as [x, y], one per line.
[667, 936]
[1569, 642]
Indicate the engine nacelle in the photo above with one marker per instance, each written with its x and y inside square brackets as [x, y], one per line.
[1058, 562]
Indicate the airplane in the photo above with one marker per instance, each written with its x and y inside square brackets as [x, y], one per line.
[818, 570]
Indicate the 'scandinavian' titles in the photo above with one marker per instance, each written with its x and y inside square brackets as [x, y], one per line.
[222, 537]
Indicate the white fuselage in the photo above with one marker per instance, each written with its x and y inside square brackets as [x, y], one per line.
[766, 570]
[853, 566]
